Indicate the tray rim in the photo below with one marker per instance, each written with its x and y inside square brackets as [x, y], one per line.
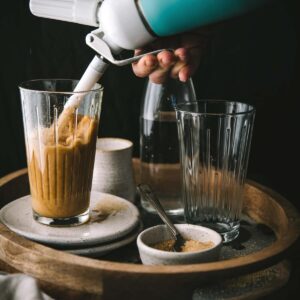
[36, 254]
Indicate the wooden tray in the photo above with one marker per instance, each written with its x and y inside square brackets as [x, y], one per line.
[68, 276]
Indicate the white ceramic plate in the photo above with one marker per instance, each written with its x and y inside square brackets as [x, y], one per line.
[98, 250]
[111, 218]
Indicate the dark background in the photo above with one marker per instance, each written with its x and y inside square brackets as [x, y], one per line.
[254, 59]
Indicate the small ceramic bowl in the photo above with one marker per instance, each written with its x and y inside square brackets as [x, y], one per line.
[160, 233]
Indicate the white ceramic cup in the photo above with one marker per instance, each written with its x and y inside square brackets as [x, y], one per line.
[113, 171]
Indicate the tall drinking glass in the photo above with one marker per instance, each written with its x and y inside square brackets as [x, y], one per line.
[215, 139]
[60, 147]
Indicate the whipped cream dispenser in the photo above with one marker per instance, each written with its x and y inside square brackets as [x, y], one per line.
[131, 24]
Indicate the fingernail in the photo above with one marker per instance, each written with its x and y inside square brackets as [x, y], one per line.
[182, 78]
[165, 61]
[148, 63]
[183, 57]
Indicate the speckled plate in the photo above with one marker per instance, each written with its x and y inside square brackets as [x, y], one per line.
[111, 218]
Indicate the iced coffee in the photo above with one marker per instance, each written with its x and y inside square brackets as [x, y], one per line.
[60, 159]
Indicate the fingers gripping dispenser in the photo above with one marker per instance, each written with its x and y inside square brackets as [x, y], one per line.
[131, 24]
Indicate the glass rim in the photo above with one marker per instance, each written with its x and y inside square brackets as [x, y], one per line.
[23, 86]
[250, 108]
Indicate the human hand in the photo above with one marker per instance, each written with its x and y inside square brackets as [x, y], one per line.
[180, 63]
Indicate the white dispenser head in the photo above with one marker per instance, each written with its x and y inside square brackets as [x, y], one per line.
[76, 11]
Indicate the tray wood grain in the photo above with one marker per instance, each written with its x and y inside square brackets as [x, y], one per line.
[68, 276]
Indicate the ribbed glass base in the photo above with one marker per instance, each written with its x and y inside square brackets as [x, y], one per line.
[228, 231]
[70, 221]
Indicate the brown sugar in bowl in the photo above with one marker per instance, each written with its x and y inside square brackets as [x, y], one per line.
[160, 234]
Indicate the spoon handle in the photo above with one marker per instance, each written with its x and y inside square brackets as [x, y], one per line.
[148, 194]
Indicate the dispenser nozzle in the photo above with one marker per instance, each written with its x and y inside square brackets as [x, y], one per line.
[76, 11]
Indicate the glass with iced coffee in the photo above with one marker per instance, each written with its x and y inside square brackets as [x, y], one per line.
[60, 145]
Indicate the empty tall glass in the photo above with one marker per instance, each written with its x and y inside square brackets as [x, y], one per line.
[215, 139]
[60, 145]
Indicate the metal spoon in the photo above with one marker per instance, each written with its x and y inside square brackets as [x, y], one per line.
[147, 193]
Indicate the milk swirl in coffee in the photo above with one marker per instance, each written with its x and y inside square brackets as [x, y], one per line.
[58, 187]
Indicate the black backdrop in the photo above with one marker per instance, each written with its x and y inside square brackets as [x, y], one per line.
[252, 59]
